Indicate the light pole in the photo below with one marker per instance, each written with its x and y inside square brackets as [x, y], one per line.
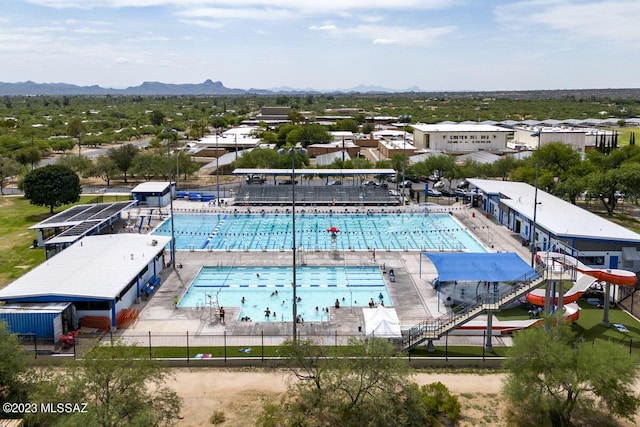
[404, 161]
[535, 200]
[292, 153]
[217, 170]
[169, 133]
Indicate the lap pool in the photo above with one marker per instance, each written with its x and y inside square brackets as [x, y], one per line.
[270, 287]
[390, 231]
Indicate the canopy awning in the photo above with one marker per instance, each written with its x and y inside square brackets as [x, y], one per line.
[490, 267]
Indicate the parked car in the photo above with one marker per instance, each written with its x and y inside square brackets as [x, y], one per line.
[287, 182]
[433, 193]
[335, 182]
[438, 185]
[255, 179]
[463, 184]
[405, 184]
[446, 192]
[394, 193]
[370, 183]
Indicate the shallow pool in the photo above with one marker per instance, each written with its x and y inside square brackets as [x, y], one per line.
[271, 287]
[362, 231]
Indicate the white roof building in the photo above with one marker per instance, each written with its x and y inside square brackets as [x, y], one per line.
[95, 268]
[460, 138]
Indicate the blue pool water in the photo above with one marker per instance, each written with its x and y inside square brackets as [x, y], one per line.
[240, 231]
[317, 287]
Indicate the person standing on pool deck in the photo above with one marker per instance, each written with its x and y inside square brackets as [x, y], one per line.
[373, 255]
[221, 314]
[175, 301]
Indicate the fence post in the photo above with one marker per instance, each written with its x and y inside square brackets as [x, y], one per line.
[446, 347]
[630, 345]
[74, 347]
[262, 345]
[224, 335]
[484, 339]
[335, 334]
[150, 345]
[187, 347]
[35, 346]
[111, 338]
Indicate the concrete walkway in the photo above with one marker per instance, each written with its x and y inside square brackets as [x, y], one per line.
[412, 294]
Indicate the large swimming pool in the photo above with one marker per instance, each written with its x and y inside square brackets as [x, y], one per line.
[397, 231]
[270, 287]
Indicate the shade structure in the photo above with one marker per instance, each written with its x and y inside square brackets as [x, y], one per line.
[490, 267]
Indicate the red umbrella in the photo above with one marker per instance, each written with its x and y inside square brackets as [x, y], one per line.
[333, 229]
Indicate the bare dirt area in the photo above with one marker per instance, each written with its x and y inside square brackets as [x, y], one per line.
[240, 394]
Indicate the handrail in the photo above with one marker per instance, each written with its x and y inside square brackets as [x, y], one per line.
[435, 328]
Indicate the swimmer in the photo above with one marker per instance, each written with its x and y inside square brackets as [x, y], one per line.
[242, 300]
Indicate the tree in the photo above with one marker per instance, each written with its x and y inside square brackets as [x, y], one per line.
[157, 118]
[52, 186]
[119, 389]
[552, 374]
[370, 389]
[123, 157]
[79, 164]
[28, 156]
[76, 129]
[105, 168]
[8, 168]
[12, 369]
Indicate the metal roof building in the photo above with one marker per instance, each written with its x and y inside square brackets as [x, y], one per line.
[99, 274]
[560, 225]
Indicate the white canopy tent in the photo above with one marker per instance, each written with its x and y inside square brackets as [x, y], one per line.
[381, 322]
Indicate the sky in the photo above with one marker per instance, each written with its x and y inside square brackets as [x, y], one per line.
[433, 45]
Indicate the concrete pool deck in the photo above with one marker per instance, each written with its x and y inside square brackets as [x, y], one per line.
[413, 297]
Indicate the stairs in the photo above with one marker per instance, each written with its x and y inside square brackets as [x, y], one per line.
[435, 328]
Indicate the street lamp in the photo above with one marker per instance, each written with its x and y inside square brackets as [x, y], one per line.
[292, 153]
[537, 134]
[169, 134]
[217, 171]
[404, 161]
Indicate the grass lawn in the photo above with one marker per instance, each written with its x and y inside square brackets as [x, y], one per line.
[16, 216]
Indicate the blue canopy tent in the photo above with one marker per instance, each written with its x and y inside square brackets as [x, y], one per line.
[489, 267]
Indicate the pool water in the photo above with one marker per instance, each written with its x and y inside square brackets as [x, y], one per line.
[271, 287]
[240, 231]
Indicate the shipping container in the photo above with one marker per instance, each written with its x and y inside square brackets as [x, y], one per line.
[45, 320]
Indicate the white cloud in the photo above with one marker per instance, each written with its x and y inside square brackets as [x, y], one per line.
[266, 14]
[202, 23]
[400, 35]
[614, 20]
[328, 27]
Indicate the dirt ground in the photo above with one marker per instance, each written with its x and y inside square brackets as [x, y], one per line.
[240, 393]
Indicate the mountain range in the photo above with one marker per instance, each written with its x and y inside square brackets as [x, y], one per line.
[208, 87]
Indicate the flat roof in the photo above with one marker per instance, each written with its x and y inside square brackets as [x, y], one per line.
[332, 172]
[455, 127]
[96, 267]
[151, 187]
[555, 215]
[30, 307]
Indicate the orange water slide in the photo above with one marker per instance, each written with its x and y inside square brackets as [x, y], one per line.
[584, 280]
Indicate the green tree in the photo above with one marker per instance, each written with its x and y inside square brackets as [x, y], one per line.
[29, 155]
[76, 129]
[150, 165]
[552, 374]
[13, 370]
[157, 118]
[8, 168]
[105, 168]
[79, 164]
[119, 390]
[123, 157]
[52, 186]
[372, 389]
